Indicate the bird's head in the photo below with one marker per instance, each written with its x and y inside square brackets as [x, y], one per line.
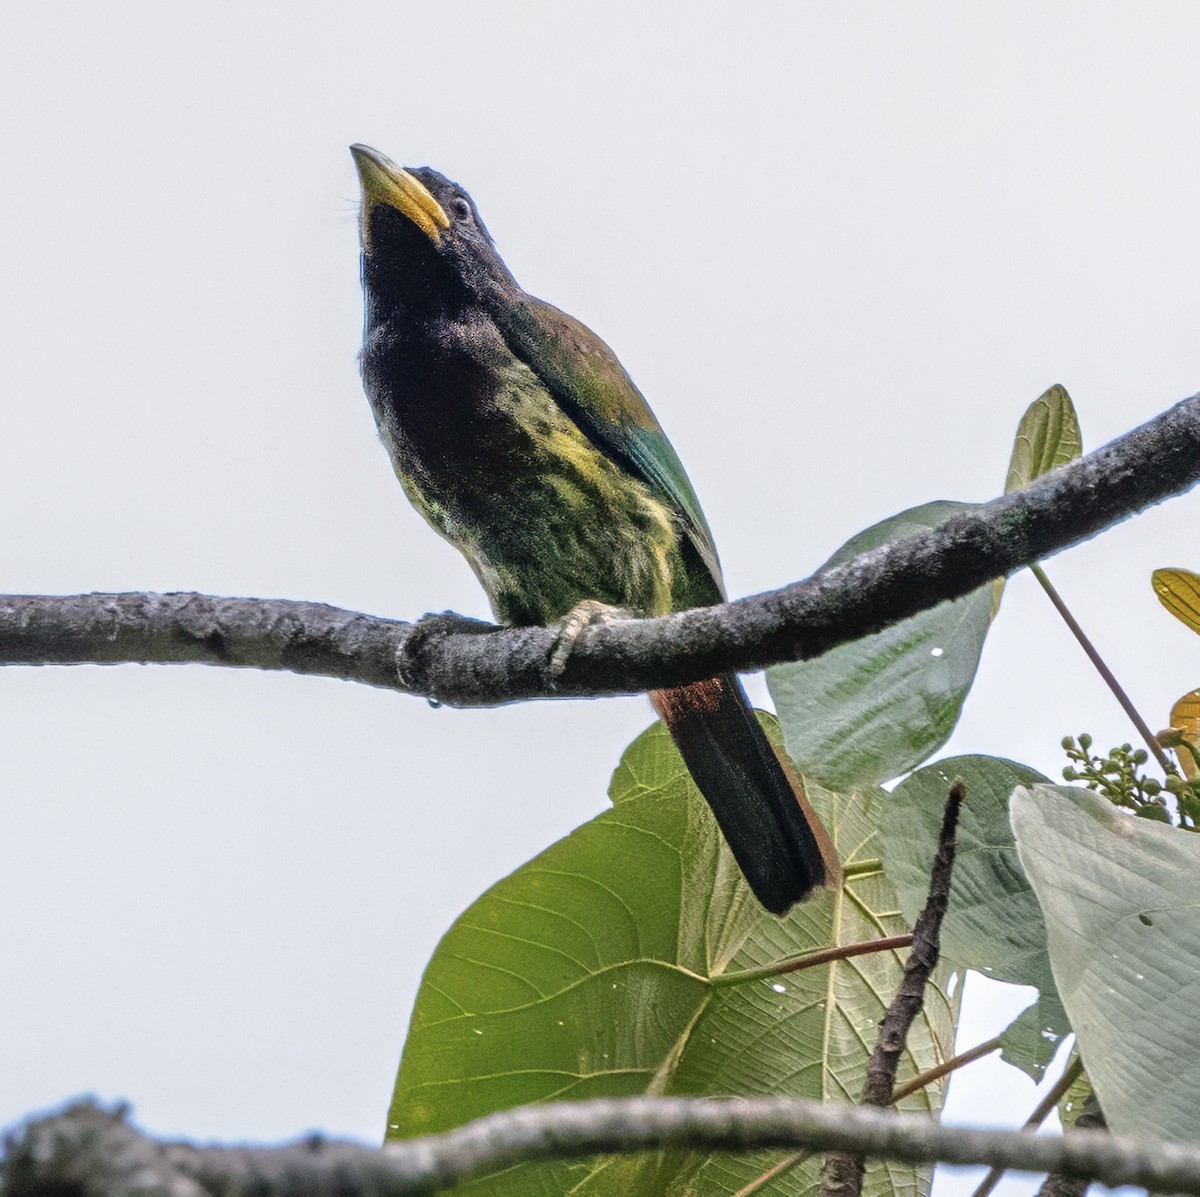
[421, 234]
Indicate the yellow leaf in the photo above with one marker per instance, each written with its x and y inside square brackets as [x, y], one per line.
[1179, 591]
[1185, 715]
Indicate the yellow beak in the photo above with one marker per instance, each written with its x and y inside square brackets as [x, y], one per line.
[383, 182]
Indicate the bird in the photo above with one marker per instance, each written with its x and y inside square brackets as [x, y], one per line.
[519, 437]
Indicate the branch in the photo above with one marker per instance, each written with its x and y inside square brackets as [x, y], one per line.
[1091, 1117]
[117, 1159]
[842, 1172]
[1041, 1112]
[927, 944]
[468, 663]
[113, 629]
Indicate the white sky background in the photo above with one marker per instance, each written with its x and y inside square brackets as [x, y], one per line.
[839, 248]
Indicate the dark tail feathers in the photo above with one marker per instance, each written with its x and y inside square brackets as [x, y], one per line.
[774, 837]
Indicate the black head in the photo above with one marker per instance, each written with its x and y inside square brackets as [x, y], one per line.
[422, 239]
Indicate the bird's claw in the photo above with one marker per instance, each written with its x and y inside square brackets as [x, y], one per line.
[582, 615]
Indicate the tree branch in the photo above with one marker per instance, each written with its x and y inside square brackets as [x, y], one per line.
[1041, 1112]
[84, 1142]
[1091, 1117]
[468, 663]
[842, 1172]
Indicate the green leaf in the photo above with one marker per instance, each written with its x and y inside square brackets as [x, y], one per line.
[994, 923]
[1074, 1101]
[1048, 436]
[1032, 1039]
[1155, 813]
[871, 710]
[630, 957]
[1189, 805]
[1120, 897]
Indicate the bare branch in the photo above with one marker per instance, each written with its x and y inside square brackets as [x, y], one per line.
[110, 629]
[842, 1172]
[1041, 1112]
[1091, 1117]
[927, 943]
[119, 1160]
[947, 1066]
[451, 661]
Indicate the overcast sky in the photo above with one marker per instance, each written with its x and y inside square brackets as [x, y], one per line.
[840, 248]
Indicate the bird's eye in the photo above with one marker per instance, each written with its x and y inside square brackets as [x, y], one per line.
[459, 208]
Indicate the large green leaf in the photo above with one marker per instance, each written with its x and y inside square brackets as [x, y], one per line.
[630, 957]
[874, 709]
[1120, 896]
[994, 923]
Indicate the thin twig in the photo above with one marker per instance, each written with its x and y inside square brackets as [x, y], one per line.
[778, 1169]
[1107, 674]
[893, 1032]
[847, 951]
[924, 1079]
[1040, 1113]
[842, 1172]
[946, 1067]
[1090, 1118]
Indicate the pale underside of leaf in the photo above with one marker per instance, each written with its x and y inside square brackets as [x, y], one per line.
[994, 923]
[1121, 896]
[872, 710]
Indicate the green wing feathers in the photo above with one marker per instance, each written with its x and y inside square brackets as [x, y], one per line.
[593, 389]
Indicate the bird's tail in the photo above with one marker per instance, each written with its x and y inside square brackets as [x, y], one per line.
[758, 801]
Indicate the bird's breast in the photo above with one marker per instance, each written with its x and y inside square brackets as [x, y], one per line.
[493, 463]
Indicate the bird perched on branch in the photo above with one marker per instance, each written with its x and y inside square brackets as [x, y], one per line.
[516, 433]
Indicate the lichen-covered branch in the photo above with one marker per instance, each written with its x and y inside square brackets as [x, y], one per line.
[110, 629]
[467, 663]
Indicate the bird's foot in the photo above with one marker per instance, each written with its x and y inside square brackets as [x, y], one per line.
[413, 651]
[582, 615]
[450, 623]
